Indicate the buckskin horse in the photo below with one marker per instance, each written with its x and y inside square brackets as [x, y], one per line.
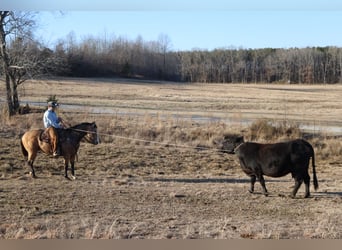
[69, 140]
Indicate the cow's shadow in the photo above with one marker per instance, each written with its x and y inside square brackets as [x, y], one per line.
[206, 180]
[314, 194]
[326, 194]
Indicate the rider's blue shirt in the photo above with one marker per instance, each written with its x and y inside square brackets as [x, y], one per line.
[51, 119]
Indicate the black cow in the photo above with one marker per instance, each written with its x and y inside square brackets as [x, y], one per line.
[276, 160]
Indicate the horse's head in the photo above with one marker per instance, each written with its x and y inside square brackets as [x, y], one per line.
[92, 135]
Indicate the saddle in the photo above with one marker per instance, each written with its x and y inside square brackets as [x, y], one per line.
[44, 137]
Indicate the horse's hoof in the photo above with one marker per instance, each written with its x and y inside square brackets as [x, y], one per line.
[32, 175]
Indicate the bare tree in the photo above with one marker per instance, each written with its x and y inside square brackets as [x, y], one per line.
[165, 45]
[15, 27]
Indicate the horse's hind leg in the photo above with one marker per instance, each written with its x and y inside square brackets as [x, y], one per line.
[29, 162]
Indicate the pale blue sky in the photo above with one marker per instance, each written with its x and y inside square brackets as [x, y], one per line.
[195, 24]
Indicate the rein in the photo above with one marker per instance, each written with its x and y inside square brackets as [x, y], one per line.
[154, 142]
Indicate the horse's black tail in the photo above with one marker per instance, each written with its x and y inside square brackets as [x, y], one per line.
[23, 149]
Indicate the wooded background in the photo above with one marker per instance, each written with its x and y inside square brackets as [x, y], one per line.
[104, 57]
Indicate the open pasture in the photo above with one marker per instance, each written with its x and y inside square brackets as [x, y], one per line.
[313, 106]
[147, 179]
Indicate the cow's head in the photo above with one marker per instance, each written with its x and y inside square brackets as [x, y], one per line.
[228, 143]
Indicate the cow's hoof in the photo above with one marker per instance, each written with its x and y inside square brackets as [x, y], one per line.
[73, 177]
[266, 194]
[251, 191]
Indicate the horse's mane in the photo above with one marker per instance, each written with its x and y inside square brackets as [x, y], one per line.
[80, 125]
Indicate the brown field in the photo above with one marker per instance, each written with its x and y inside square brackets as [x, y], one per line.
[158, 174]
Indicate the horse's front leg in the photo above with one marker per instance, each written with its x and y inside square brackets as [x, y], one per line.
[66, 166]
[72, 163]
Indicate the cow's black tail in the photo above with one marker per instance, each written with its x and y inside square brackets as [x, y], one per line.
[312, 154]
[315, 181]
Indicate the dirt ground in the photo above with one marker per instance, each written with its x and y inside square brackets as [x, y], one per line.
[201, 195]
[147, 191]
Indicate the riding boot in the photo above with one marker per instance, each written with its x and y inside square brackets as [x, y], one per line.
[54, 141]
[58, 148]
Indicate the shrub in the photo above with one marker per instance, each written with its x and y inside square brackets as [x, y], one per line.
[268, 130]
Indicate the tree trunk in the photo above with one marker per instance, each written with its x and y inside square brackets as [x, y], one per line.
[9, 97]
[14, 95]
[5, 66]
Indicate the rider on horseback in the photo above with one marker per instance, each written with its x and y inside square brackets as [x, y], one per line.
[51, 123]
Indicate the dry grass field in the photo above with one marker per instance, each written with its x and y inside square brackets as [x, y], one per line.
[158, 173]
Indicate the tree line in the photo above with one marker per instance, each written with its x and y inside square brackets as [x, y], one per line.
[94, 57]
[23, 57]
[293, 65]
[121, 57]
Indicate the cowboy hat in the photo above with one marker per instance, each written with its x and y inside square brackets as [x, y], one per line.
[53, 104]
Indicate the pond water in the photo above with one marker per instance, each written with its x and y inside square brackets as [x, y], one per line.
[309, 127]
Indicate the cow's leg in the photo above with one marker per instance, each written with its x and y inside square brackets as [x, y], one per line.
[298, 182]
[262, 182]
[307, 185]
[253, 179]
